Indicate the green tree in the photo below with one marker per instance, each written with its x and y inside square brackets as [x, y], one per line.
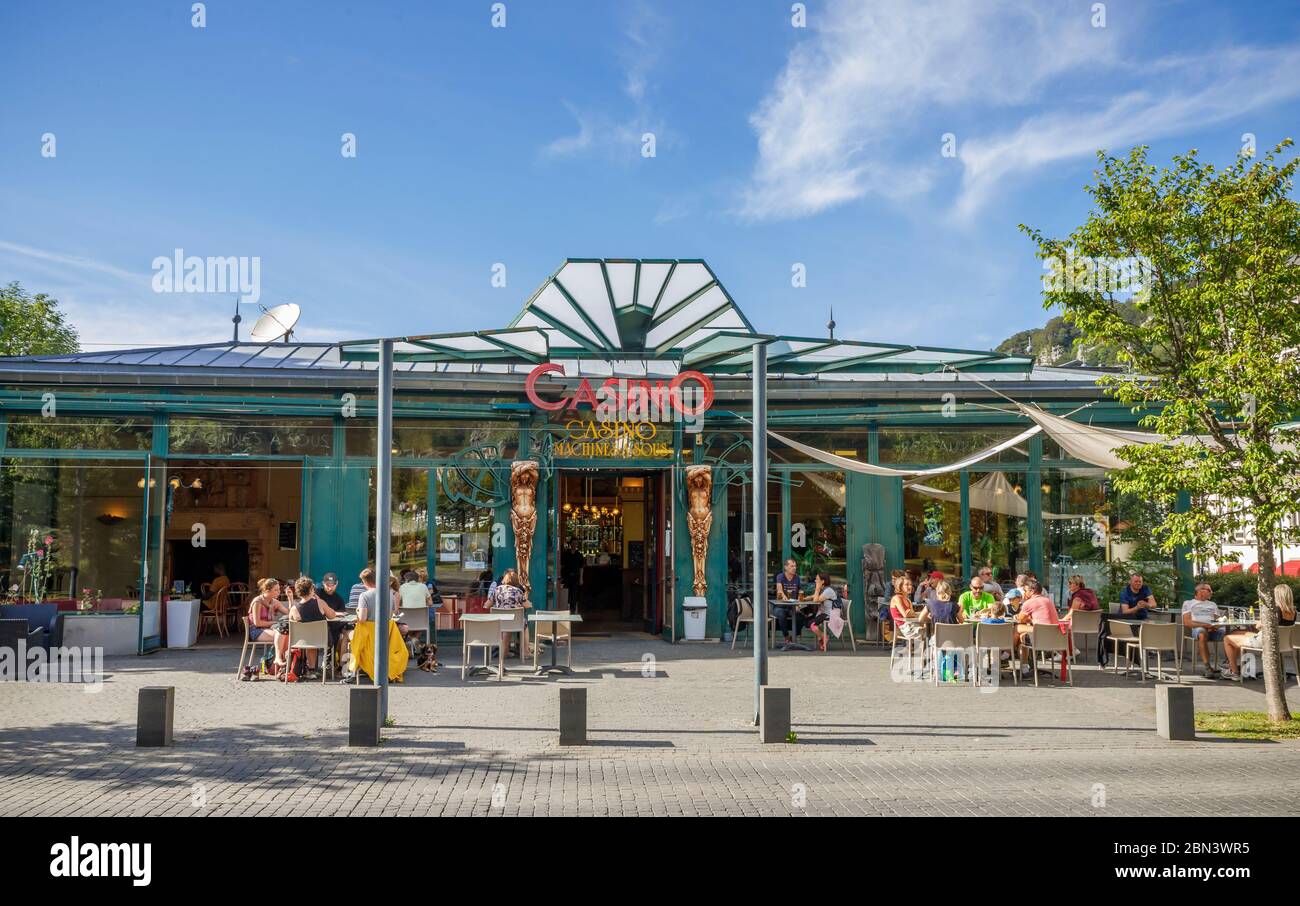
[33, 325]
[1215, 357]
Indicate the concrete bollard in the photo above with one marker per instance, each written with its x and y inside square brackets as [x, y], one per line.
[774, 714]
[1175, 713]
[153, 721]
[573, 716]
[363, 716]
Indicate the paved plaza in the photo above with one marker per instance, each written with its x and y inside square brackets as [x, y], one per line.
[669, 735]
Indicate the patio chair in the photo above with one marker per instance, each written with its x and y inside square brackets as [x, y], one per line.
[249, 651]
[1085, 623]
[416, 620]
[239, 597]
[308, 637]
[554, 634]
[948, 638]
[1187, 639]
[1048, 639]
[1160, 637]
[215, 612]
[1122, 641]
[912, 647]
[486, 636]
[1288, 644]
[846, 611]
[1114, 608]
[998, 637]
[516, 625]
[747, 616]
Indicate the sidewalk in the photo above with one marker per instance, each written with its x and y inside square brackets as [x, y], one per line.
[670, 731]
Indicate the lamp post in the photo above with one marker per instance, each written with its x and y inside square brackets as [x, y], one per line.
[759, 473]
[383, 519]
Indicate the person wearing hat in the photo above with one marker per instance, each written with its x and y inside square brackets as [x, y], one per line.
[328, 591]
[1013, 599]
[927, 592]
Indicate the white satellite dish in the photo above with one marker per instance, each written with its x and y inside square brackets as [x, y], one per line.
[276, 323]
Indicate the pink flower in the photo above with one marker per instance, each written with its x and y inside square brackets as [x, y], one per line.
[49, 539]
[40, 553]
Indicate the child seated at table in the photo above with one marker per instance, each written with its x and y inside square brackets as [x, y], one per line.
[994, 613]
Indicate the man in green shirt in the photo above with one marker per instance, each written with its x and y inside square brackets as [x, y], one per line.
[973, 601]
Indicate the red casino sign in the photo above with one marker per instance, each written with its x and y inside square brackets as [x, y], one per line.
[690, 393]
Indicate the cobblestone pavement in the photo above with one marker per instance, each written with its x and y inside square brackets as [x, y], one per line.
[670, 734]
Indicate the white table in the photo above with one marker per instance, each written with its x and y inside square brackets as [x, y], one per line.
[545, 617]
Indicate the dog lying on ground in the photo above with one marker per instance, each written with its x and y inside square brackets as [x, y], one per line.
[426, 657]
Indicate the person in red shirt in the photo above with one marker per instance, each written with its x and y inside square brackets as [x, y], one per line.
[1037, 609]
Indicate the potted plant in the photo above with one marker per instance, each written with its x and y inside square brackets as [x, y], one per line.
[89, 601]
[38, 565]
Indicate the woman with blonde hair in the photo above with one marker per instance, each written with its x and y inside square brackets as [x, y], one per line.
[263, 616]
[1284, 598]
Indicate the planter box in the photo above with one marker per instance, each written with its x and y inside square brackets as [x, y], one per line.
[115, 633]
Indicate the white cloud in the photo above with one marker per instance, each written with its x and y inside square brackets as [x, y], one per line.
[855, 109]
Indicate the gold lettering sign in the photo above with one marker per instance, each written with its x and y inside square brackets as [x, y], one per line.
[612, 440]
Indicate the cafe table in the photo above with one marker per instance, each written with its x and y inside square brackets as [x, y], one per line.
[553, 617]
[500, 670]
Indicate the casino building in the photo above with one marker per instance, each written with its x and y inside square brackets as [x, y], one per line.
[617, 378]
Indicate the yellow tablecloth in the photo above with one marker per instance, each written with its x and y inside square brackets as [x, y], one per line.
[363, 650]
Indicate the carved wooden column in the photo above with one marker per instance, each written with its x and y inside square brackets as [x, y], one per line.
[699, 518]
[523, 514]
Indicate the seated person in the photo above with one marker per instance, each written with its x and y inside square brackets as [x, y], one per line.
[925, 592]
[1284, 598]
[788, 584]
[907, 619]
[943, 609]
[328, 591]
[264, 616]
[308, 608]
[1081, 596]
[986, 580]
[976, 599]
[413, 593]
[1037, 610]
[996, 613]
[1199, 615]
[823, 599]
[1136, 599]
[219, 581]
[362, 636]
[1013, 599]
[510, 592]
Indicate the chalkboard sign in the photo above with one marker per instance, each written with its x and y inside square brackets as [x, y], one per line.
[288, 536]
[635, 554]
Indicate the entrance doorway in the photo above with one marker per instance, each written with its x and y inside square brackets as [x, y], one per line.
[612, 568]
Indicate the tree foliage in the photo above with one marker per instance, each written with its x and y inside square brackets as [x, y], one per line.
[33, 325]
[1215, 355]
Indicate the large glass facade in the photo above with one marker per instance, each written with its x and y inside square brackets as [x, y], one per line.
[85, 517]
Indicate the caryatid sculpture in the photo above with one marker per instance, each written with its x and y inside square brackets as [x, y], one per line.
[523, 514]
[699, 518]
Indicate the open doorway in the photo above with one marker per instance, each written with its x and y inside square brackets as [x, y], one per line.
[610, 539]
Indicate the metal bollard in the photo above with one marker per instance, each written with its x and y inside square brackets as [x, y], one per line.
[363, 716]
[774, 714]
[155, 709]
[573, 716]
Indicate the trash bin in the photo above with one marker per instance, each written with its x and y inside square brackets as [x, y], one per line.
[182, 623]
[696, 610]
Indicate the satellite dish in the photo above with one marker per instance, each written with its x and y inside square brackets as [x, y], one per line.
[276, 323]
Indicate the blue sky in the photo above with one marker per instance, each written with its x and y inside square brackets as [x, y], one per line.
[775, 145]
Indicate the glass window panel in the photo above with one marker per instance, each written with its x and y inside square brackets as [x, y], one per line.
[252, 436]
[932, 527]
[940, 445]
[999, 536]
[79, 432]
[434, 438]
[818, 529]
[410, 521]
[93, 512]
[740, 534]
[463, 552]
[850, 442]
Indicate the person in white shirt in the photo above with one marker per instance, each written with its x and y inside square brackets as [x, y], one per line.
[993, 588]
[1199, 615]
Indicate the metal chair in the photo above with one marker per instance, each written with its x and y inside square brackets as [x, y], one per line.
[553, 633]
[309, 636]
[249, 651]
[484, 635]
[1288, 643]
[998, 637]
[1085, 623]
[1121, 637]
[952, 637]
[1047, 638]
[516, 625]
[1160, 637]
[746, 615]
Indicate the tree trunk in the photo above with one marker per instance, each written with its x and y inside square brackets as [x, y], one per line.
[1274, 678]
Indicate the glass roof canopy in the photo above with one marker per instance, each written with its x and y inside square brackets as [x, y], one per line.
[599, 317]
